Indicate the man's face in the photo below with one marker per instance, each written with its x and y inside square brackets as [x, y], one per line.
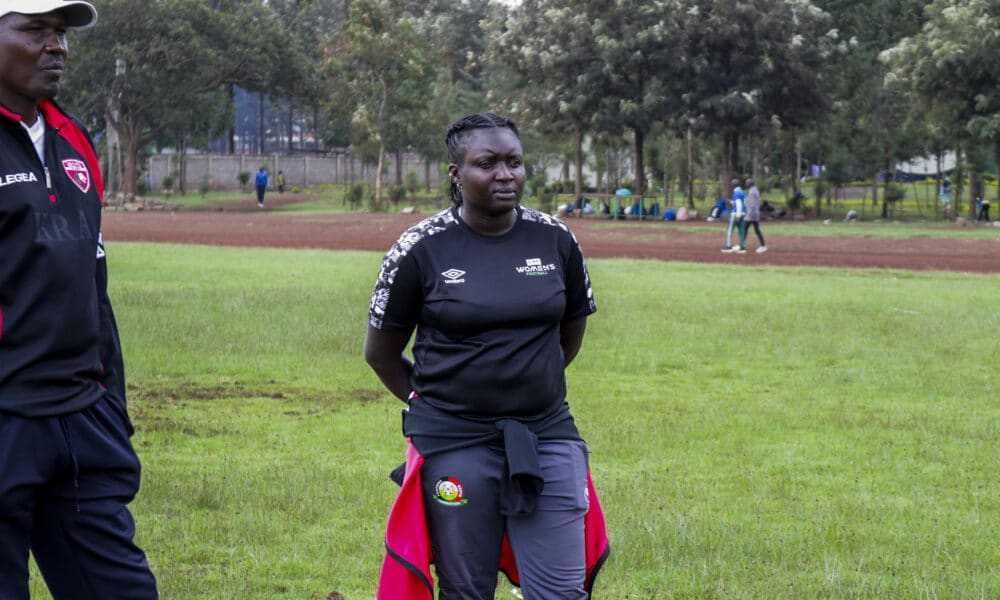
[32, 58]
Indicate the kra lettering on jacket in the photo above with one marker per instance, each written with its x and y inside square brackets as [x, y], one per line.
[51, 228]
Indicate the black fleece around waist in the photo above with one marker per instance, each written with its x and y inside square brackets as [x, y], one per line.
[433, 431]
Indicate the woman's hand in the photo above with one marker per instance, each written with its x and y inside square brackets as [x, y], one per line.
[384, 354]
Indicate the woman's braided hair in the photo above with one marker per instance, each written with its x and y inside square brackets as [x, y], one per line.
[457, 133]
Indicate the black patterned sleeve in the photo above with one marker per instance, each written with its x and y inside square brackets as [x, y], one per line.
[397, 298]
[579, 293]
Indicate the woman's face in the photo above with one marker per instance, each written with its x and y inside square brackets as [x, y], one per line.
[491, 174]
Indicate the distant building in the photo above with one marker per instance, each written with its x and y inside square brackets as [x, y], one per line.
[922, 167]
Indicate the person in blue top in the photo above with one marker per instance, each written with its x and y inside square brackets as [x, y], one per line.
[718, 210]
[735, 217]
[261, 182]
[945, 194]
[984, 209]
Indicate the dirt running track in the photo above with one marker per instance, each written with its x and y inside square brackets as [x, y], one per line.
[239, 226]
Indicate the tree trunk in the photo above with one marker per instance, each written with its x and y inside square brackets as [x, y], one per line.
[182, 169]
[113, 173]
[996, 159]
[798, 165]
[577, 162]
[600, 170]
[978, 161]
[734, 156]
[315, 129]
[381, 147]
[378, 172]
[291, 125]
[667, 196]
[131, 160]
[961, 160]
[976, 189]
[885, 184]
[689, 184]
[874, 190]
[789, 156]
[724, 177]
[640, 175]
[730, 158]
[231, 138]
[260, 124]
[940, 178]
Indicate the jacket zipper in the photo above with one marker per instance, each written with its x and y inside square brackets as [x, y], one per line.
[48, 185]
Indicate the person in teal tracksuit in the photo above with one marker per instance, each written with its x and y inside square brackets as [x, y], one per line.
[736, 216]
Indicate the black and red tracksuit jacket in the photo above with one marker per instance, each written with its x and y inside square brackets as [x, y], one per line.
[59, 346]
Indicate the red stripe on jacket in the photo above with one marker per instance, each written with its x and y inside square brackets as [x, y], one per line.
[76, 138]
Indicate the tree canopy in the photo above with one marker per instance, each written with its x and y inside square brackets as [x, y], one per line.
[858, 83]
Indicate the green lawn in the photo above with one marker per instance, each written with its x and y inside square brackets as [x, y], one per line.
[755, 432]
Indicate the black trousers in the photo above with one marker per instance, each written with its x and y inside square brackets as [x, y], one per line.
[65, 482]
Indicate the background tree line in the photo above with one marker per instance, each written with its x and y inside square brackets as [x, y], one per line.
[642, 93]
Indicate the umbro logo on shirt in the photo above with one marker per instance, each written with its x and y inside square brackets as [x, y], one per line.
[454, 276]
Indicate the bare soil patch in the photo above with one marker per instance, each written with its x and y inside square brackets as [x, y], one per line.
[243, 224]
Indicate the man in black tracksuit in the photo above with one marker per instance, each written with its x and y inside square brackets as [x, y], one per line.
[67, 466]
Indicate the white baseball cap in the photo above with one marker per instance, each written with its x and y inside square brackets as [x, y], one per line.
[79, 15]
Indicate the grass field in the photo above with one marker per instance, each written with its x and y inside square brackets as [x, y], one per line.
[755, 433]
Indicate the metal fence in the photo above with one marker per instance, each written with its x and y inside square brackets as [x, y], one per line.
[220, 172]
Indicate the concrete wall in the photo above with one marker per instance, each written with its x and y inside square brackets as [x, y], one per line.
[221, 171]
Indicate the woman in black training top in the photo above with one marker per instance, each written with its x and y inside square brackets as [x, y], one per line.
[497, 474]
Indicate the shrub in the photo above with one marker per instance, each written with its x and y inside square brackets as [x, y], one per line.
[244, 177]
[795, 202]
[412, 182]
[354, 194]
[168, 182]
[894, 192]
[204, 188]
[545, 196]
[563, 186]
[770, 183]
[537, 183]
[820, 186]
[397, 194]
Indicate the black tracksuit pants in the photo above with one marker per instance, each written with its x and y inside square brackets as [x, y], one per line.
[65, 482]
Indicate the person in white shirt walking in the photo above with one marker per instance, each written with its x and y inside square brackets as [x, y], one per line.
[752, 218]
